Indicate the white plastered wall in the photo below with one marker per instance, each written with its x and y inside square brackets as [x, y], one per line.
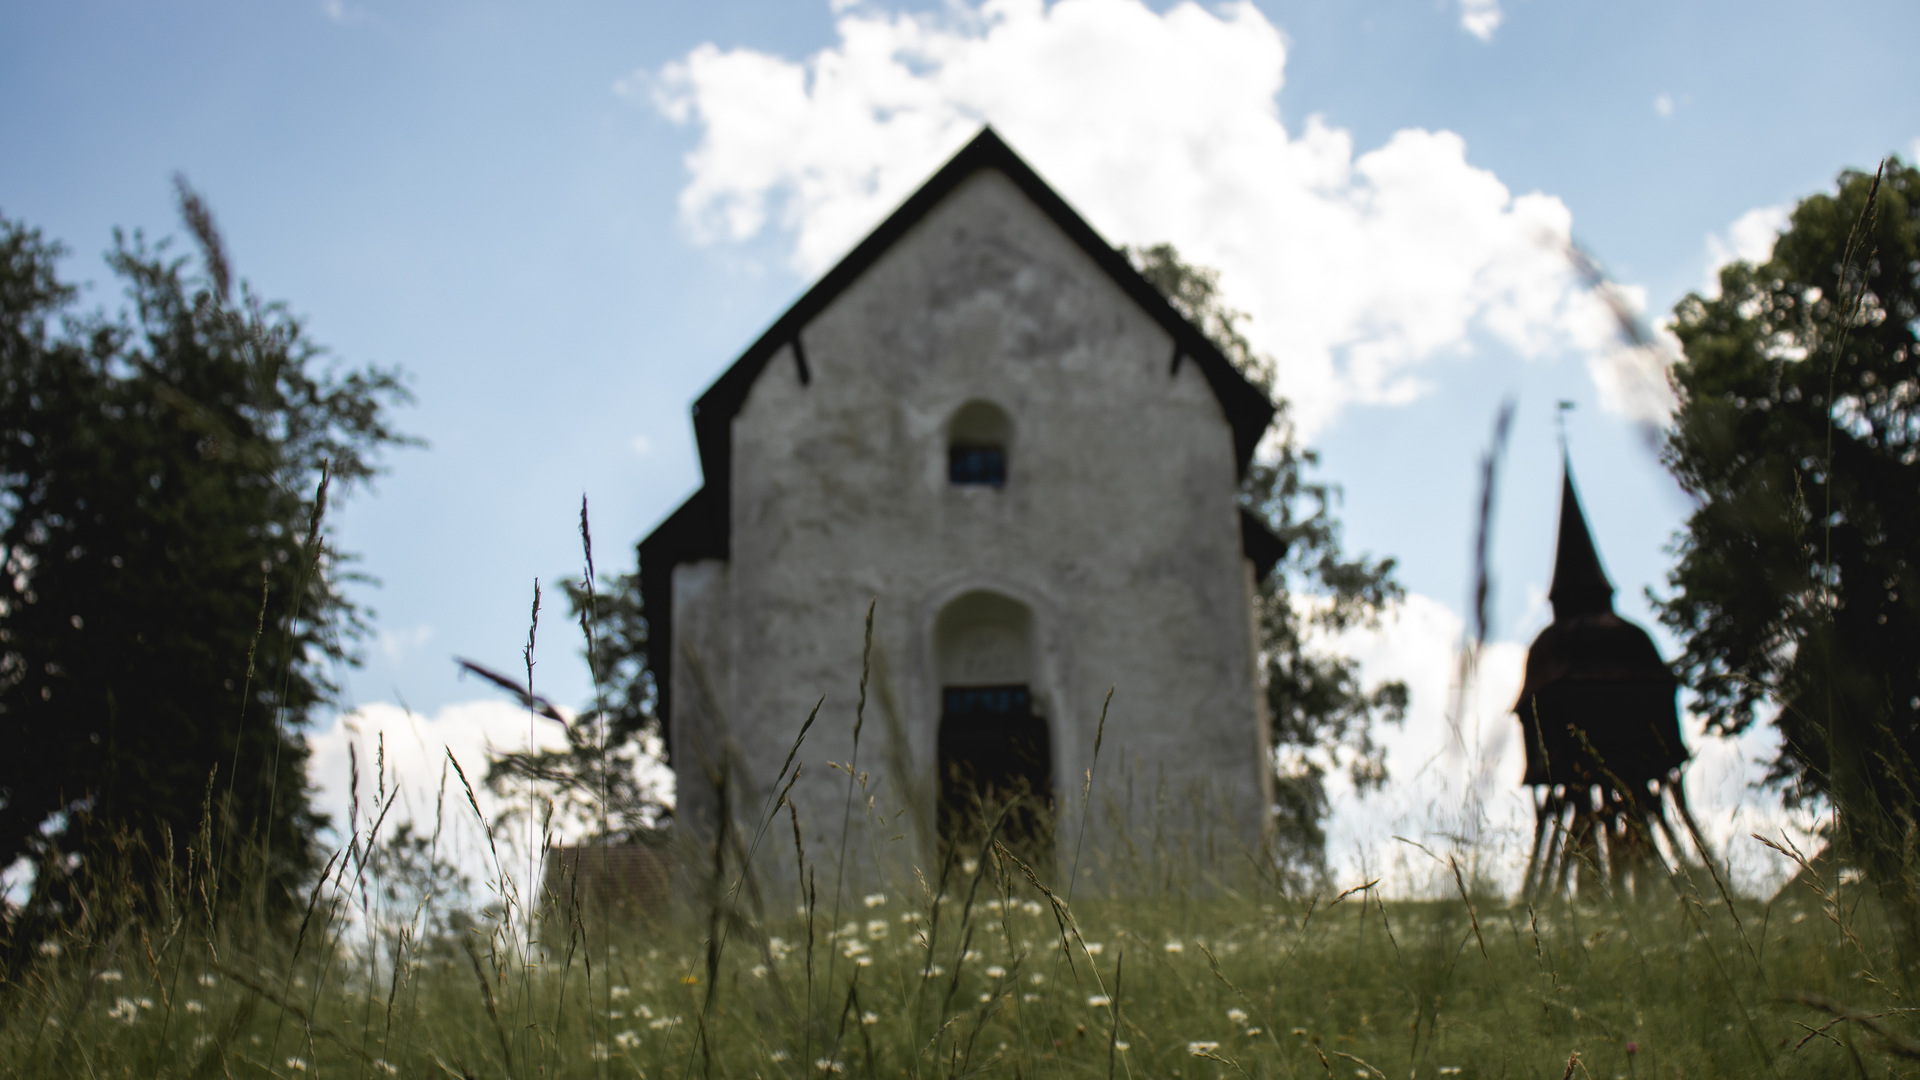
[1117, 529]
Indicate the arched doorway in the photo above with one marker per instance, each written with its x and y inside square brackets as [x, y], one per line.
[995, 752]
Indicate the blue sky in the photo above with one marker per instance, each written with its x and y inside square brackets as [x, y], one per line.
[500, 198]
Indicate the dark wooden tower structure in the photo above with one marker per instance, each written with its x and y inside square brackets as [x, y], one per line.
[1602, 731]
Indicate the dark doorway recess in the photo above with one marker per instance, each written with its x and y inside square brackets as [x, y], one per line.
[995, 755]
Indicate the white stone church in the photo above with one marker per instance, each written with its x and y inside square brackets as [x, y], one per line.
[984, 421]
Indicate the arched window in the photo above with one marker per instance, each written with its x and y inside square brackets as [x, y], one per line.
[995, 752]
[977, 439]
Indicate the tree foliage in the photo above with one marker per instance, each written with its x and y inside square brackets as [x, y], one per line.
[1797, 589]
[169, 606]
[1323, 715]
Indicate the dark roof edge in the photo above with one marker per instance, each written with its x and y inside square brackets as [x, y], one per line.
[1260, 544]
[696, 530]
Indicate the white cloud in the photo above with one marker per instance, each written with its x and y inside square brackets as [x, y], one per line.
[416, 752]
[1481, 17]
[641, 445]
[341, 12]
[1749, 239]
[1360, 271]
[1663, 105]
[396, 644]
[1456, 775]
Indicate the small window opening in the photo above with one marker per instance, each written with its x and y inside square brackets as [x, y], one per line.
[977, 465]
[977, 445]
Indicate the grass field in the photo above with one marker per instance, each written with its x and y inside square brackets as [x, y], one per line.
[997, 978]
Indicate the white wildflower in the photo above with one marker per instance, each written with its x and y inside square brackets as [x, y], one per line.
[663, 1023]
[109, 976]
[208, 979]
[1029, 997]
[629, 1038]
[869, 1018]
[645, 1011]
[1094, 948]
[599, 1051]
[195, 1006]
[1036, 978]
[1032, 907]
[619, 992]
[1252, 1031]
[48, 948]
[995, 971]
[391, 1069]
[777, 1055]
[1122, 1044]
[877, 929]
[1202, 1049]
[876, 899]
[759, 971]
[124, 1010]
[863, 961]
[1099, 1001]
[1238, 1016]
[297, 1064]
[1174, 946]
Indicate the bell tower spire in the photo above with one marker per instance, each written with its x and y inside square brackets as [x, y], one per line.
[1580, 585]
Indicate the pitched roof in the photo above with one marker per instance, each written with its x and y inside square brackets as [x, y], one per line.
[1580, 585]
[701, 527]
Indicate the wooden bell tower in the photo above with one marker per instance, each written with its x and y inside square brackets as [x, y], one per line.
[1604, 753]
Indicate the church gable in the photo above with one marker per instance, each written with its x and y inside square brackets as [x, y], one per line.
[984, 262]
[983, 305]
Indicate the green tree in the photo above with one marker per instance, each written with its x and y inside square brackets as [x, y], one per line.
[1797, 590]
[169, 606]
[1323, 715]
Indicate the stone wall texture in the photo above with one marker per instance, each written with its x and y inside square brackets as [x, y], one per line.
[1116, 533]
